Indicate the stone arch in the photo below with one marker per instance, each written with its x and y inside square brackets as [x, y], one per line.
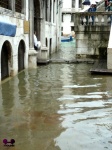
[21, 55]
[37, 18]
[6, 60]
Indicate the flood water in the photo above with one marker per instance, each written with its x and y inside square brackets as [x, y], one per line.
[57, 107]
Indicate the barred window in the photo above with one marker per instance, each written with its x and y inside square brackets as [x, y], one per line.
[4, 3]
[18, 6]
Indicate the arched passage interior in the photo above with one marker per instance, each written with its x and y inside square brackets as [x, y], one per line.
[6, 61]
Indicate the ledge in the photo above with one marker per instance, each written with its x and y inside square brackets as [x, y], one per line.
[32, 52]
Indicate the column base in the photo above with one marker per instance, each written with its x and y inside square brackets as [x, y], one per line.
[32, 58]
[42, 57]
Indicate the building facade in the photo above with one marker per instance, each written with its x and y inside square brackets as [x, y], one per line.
[13, 46]
[19, 20]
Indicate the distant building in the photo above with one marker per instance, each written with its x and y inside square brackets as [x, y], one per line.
[67, 15]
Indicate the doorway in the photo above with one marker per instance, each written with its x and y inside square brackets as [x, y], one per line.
[21, 52]
[6, 62]
[37, 18]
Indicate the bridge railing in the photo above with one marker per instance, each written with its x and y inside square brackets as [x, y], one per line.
[93, 18]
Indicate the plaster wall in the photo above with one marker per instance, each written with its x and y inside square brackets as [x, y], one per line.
[67, 3]
[50, 33]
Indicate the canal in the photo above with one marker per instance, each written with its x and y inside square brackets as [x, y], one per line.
[58, 106]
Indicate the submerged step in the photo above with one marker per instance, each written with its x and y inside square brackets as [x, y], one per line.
[71, 61]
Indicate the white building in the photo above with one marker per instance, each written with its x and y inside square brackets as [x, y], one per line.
[69, 7]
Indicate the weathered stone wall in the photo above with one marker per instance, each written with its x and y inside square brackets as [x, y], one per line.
[90, 38]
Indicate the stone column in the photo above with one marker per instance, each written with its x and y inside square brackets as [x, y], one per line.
[42, 23]
[32, 59]
[48, 10]
[52, 9]
[12, 5]
[31, 18]
[42, 56]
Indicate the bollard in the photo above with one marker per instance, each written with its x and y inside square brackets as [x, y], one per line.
[42, 56]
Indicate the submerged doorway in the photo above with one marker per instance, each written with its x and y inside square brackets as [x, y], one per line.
[6, 62]
[103, 53]
[21, 52]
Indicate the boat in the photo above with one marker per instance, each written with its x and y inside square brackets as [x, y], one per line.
[66, 39]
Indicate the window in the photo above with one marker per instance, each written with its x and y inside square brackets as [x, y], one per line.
[62, 17]
[46, 7]
[72, 28]
[50, 10]
[4, 3]
[72, 17]
[18, 6]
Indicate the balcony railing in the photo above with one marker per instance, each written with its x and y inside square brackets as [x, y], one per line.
[93, 18]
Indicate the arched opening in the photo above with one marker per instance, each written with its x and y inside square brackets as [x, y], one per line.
[6, 62]
[37, 18]
[21, 53]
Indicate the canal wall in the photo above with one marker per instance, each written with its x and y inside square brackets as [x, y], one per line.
[90, 39]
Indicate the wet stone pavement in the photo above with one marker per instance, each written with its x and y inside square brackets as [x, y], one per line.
[57, 107]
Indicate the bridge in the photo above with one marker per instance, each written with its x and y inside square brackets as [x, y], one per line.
[94, 35]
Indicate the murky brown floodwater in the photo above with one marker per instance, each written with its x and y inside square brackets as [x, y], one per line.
[57, 107]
